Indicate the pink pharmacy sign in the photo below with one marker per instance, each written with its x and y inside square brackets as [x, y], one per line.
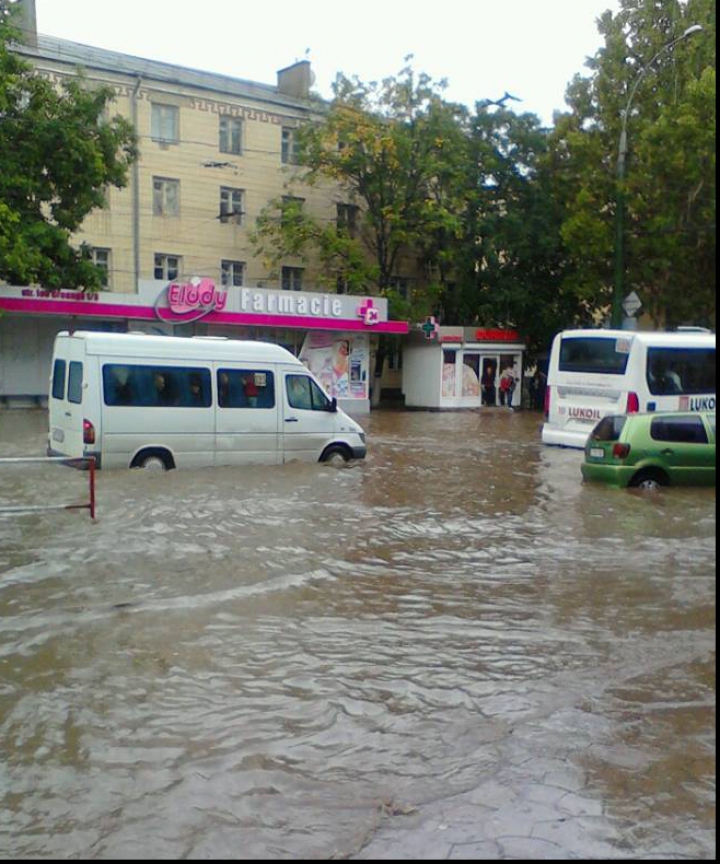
[183, 302]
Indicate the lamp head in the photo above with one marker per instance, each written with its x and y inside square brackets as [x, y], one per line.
[696, 28]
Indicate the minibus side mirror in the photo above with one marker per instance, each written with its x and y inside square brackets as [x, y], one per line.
[333, 406]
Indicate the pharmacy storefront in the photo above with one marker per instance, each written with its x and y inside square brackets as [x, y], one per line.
[335, 336]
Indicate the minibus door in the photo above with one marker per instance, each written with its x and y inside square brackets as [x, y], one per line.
[308, 420]
[248, 417]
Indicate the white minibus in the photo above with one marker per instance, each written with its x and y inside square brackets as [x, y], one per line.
[593, 373]
[134, 400]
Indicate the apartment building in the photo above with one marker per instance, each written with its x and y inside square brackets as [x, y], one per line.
[214, 152]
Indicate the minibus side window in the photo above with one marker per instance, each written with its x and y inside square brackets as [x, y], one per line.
[688, 371]
[246, 388]
[75, 383]
[58, 383]
[156, 386]
[305, 395]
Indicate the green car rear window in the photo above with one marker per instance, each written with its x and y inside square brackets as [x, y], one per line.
[609, 429]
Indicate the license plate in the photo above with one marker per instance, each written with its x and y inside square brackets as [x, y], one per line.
[597, 453]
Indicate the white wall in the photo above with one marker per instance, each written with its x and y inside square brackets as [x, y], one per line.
[422, 376]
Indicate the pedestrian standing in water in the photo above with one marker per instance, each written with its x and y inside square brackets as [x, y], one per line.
[507, 387]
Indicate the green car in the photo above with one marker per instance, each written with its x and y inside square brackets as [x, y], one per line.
[646, 451]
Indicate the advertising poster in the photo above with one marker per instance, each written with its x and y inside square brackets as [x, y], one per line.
[339, 362]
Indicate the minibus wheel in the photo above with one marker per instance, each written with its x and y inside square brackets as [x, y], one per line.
[153, 460]
[335, 453]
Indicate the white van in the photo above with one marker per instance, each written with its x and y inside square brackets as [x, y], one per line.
[593, 373]
[170, 402]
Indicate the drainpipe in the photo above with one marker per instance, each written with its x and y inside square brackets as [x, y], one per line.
[136, 189]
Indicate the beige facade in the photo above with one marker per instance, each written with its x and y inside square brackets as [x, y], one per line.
[214, 151]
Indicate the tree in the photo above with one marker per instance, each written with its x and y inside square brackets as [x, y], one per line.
[59, 154]
[669, 185]
[384, 145]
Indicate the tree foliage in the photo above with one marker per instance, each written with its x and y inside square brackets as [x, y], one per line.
[669, 183]
[59, 155]
[512, 224]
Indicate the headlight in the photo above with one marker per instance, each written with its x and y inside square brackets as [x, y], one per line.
[363, 437]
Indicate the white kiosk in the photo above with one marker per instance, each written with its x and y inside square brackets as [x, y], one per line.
[455, 368]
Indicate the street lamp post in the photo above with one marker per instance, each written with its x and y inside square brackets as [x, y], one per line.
[619, 289]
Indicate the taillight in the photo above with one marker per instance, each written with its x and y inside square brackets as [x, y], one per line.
[621, 451]
[88, 432]
[547, 403]
[633, 404]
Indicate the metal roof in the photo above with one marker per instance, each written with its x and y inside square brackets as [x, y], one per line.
[100, 59]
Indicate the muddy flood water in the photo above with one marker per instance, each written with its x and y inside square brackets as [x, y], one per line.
[452, 650]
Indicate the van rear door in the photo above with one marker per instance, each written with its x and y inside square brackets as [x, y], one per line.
[66, 398]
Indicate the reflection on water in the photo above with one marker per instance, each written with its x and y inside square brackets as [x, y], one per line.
[264, 663]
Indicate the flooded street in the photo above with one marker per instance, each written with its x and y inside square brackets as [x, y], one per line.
[452, 650]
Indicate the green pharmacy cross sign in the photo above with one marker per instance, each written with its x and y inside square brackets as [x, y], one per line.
[430, 328]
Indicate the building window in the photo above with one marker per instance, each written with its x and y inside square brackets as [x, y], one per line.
[101, 259]
[290, 147]
[166, 197]
[167, 267]
[402, 285]
[347, 219]
[165, 124]
[292, 278]
[231, 205]
[231, 129]
[232, 274]
[292, 209]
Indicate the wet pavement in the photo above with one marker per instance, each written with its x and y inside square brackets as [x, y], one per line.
[454, 650]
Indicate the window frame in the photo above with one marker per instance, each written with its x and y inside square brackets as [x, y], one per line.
[166, 205]
[169, 272]
[292, 278]
[290, 146]
[103, 265]
[161, 112]
[231, 138]
[232, 269]
[229, 198]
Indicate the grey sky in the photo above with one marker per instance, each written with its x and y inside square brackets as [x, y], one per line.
[532, 48]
